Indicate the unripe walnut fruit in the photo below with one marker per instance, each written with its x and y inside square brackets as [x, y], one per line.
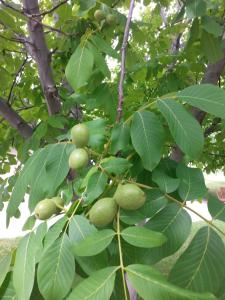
[45, 209]
[103, 212]
[111, 19]
[99, 15]
[129, 196]
[58, 202]
[78, 159]
[80, 135]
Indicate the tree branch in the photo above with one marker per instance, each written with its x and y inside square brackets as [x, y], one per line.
[213, 127]
[42, 57]
[50, 10]
[32, 16]
[20, 70]
[212, 75]
[123, 59]
[15, 120]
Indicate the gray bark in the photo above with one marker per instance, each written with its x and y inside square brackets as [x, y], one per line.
[39, 51]
[15, 120]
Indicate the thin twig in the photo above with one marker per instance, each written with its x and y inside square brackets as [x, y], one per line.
[22, 12]
[20, 70]
[123, 60]
[50, 10]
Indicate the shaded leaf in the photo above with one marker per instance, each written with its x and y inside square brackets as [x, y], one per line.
[79, 67]
[115, 165]
[56, 270]
[147, 136]
[175, 223]
[96, 186]
[207, 97]
[4, 267]
[192, 183]
[24, 267]
[201, 267]
[98, 286]
[216, 208]
[184, 128]
[150, 284]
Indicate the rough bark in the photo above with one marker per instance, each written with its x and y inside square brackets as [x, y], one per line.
[212, 75]
[40, 53]
[15, 120]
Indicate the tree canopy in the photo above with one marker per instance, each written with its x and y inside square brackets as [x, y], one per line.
[146, 80]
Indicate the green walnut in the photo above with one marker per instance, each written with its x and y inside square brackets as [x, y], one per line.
[129, 196]
[80, 135]
[103, 212]
[58, 202]
[78, 159]
[111, 19]
[45, 209]
[99, 15]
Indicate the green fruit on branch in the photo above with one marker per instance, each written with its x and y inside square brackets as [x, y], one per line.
[103, 212]
[78, 159]
[99, 15]
[111, 19]
[45, 209]
[80, 135]
[129, 196]
[59, 203]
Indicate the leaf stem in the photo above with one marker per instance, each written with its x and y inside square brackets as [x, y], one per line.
[121, 255]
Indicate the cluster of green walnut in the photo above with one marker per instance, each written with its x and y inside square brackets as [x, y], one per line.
[100, 16]
[127, 196]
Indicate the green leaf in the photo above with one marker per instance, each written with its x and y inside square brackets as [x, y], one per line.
[97, 130]
[201, 267]
[195, 8]
[56, 270]
[24, 267]
[211, 47]
[143, 237]
[79, 229]
[94, 243]
[86, 5]
[211, 26]
[96, 186]
[166, 183]
[175, 223]
[98, 286]
[120, 137]
[29, 224]
[44, 171]
[104, 47]
[39, 237]
[192, 183]
[25, 177]
[148, 137]
[216, 208]
[79, 67]
[115, 165]
[207, 97]
[4, 267]
[150, 284]
[51, 173]
[54, 232]
[7, 291]
[184, 128]
[100, 62]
